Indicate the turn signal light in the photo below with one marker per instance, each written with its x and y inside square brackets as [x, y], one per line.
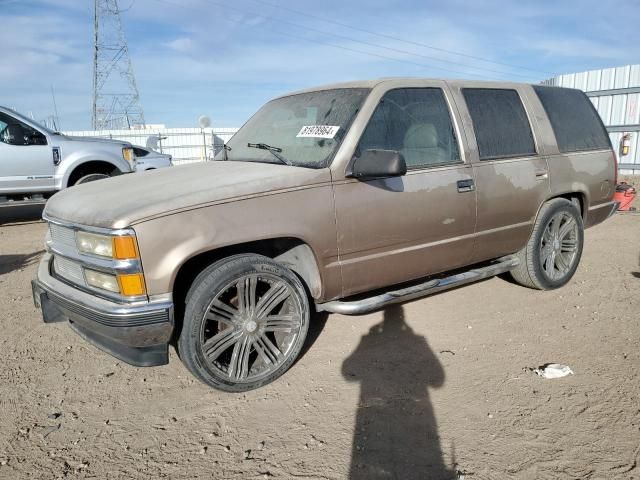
[131, 284]
[124, 248]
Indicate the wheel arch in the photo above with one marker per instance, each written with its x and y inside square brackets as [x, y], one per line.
[577, 197]
[89, 166]
[292, 252]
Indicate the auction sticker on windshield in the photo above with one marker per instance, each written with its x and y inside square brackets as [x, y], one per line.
[318, 131]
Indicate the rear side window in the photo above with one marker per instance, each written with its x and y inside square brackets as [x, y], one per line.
[574, 120]
[140, 152]
[500, 123]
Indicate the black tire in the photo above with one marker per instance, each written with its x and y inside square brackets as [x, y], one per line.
[91, 177]
[547, 261]
[234, 351]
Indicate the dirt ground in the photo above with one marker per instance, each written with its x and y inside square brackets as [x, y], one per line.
[419, 391]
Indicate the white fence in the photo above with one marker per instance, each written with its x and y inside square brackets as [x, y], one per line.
[186, 145]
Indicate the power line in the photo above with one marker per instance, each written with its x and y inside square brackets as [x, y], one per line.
[342, 47]
[370, 44]
[398, 39]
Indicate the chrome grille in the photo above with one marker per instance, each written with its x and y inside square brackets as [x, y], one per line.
[62, 235]
[68, 270]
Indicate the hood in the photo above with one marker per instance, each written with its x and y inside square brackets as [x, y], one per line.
[122, 201]
[94, 140]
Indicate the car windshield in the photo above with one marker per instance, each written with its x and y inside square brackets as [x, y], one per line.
[303, 130]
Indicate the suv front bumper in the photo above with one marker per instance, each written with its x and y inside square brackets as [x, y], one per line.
[137, 334]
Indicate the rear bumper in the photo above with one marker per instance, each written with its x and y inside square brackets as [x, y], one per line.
[600, 213]
[137, 334]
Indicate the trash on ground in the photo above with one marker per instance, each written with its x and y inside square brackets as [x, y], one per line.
[553, 370]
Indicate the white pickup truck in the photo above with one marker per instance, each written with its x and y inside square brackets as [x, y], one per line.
[36, 162]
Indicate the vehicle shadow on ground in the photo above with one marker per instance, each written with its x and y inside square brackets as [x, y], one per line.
[636, 274]
[396, 433]
[317, 324]
[20, 214]
[9, 263]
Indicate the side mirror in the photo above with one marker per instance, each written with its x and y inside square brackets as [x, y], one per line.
[378, 163]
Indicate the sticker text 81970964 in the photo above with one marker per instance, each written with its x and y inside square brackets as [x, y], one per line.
[318, 131]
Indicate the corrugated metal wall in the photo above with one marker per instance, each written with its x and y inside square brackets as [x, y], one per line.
[615, 92]
[186, 145]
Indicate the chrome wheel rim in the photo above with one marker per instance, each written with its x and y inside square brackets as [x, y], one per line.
[92, 177]
[251, 328]
[559, 246]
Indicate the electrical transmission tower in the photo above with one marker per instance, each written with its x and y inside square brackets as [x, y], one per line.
[116, 102]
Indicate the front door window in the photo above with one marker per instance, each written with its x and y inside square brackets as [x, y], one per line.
[15, 132]
[416, 123]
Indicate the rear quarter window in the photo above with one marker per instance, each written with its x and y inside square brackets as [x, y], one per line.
[575, 122]
[140, 152]
[500, 123]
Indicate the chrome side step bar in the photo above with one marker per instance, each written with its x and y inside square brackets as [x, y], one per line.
[366, 305]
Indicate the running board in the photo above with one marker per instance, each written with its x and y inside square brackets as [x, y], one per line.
[366, 305]
[26, 200]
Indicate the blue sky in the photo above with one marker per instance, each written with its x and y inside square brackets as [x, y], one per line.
[225, 58]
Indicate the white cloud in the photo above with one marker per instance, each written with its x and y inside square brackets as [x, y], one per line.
[578, 48]
[183, 44]
[39, 53]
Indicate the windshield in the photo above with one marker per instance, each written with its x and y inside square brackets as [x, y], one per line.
[304, 130]
[26, 120]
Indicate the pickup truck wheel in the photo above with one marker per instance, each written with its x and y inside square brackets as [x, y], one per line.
[553, 252]
[245, 323]
[91, 177]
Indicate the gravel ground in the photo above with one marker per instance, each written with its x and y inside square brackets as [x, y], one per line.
[418, 391]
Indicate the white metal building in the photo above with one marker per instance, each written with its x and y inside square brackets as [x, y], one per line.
[615, 92]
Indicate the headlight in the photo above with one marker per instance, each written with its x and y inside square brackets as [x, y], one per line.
[127, 284]
[118, 247]
[101, 280]
[95, 244]
[128, 154]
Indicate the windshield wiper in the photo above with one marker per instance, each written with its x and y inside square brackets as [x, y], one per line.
[274, 150]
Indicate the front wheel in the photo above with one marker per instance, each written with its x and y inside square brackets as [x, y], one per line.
[553, 252]
[91, 177]
[245, 322]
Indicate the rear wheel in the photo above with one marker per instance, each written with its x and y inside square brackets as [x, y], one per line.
[245, 323]
[553, 252]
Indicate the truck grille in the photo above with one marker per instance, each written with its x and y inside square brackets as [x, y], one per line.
[68, 269]
[62, 235]
[62, 267]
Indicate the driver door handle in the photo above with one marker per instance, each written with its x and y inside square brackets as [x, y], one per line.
[542, 174]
